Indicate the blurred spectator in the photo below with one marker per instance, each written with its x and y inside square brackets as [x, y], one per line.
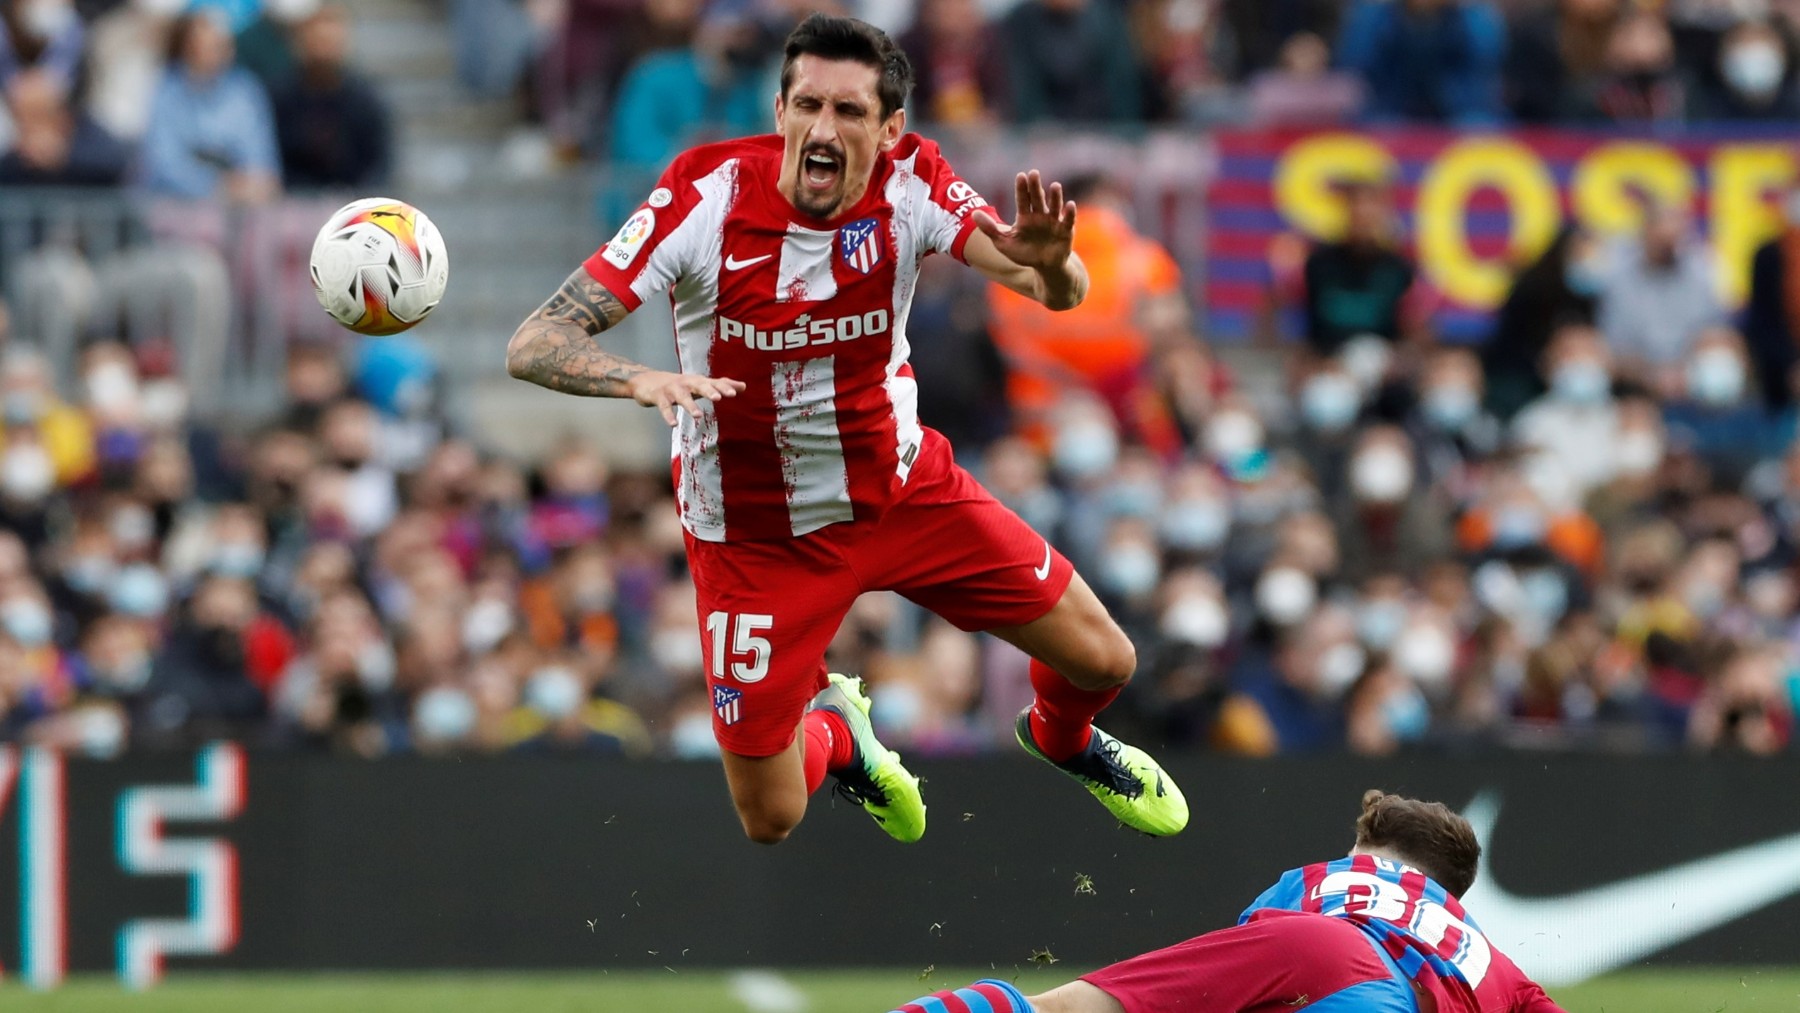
[334, 129]
[1362, 283]
[1561, 287]
[1772, 312]
[203, 679]
[1573, 428]
[598, 43]
[1755, 77]
[53, 144]
[1072, 61]
[672, 98]
[45, 35]
[1557, 57]
[1431, 60]
[1642, 83]
[1296, 689]
[211, 132]
[1745, 708]
[959, 61]
[35, 421]
[1302, 89]
[265, 47]
[1258, 32]
[1659, 292]
[1717, 416]
[1176, 42]
[1102, 347]
[129, 45]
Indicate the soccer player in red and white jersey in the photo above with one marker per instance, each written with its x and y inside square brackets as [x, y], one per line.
[802, 472]
[1382, 931]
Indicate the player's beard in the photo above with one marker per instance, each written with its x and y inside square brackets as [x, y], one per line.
[816, 205]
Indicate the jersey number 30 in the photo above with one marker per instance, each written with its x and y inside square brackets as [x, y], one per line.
[743, 640]
[1373, 897]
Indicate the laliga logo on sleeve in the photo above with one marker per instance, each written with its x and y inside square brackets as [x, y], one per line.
[861, 242]
[623, 248]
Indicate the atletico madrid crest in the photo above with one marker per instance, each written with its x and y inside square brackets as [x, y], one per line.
[728, 703]
[861, 243]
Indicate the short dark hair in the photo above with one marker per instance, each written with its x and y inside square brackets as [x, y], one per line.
[1425, 835]
[830, 37]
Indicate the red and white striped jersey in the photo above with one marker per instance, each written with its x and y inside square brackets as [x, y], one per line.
[810, 314]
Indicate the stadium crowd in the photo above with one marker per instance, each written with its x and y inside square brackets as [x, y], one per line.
[1582, 532]
[632, 80]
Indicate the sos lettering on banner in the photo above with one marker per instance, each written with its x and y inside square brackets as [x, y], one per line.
[1476, 207]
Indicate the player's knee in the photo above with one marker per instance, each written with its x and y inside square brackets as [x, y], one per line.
[770, 827]
[1115, 663]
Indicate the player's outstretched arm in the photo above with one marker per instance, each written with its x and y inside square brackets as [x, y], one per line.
[556, 348]
[1034, 256]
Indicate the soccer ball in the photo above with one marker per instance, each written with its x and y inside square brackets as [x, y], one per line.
[379, 266]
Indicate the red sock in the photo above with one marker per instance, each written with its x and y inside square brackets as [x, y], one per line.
[1062, 716]
[828, 746]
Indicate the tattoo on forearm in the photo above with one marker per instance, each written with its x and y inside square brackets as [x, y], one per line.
[555, 346]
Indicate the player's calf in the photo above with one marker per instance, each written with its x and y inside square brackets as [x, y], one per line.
[769, 793]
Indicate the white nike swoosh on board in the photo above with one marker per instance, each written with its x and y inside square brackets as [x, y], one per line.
[1043, 572]
[734, 264]
[1569, 938]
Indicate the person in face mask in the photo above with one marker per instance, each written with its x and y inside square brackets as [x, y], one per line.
[1386, 712]
[559, 714]
[1196, 517]
[1086, 441]
[1716, 417]
[29, 404]
[1130, 564]
[1384, 518]
[1449, 406]
[1329, 401]
[1561, 287]
[1194, 612]
[1574, 425]
[1755, 79]
[1297, 689]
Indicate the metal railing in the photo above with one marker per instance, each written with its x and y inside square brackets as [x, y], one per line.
[227, 286]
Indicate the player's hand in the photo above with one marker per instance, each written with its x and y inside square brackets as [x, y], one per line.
[666, 392]
[1044, 232]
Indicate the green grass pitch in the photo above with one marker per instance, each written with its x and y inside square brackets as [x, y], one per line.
[1746, 990]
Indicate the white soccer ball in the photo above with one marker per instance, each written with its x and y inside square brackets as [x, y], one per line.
[379, 266]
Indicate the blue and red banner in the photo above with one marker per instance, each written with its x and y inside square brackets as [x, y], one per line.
[1474, 207]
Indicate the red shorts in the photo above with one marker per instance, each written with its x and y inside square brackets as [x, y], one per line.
[769, 608]
[1277, 962]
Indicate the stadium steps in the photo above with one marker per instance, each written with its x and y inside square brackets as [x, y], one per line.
[515, 223]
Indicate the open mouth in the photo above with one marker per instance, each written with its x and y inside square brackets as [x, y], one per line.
[820, 170]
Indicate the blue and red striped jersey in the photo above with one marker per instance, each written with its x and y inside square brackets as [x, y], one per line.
[1433, 941]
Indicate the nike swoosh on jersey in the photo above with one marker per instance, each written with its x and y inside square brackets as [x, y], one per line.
[1569, 938]
[1043, 572]
[734, 264]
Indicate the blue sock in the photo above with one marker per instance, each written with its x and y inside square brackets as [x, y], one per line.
[985, 996]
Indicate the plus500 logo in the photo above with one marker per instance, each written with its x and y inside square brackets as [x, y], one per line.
[806, 331]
